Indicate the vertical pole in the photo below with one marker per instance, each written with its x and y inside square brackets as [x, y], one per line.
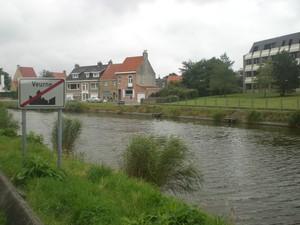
[281, 104]
[59, 138]
[239, 103]
[24, 135]
[298, 103]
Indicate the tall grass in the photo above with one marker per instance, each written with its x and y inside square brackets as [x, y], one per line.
[70, 132]
[162, 161]
[8, 126]
[294, 119]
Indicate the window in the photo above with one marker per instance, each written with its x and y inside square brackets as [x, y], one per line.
[87, 75]
[74, 75]
[73, 86]
[256, 61]
[114, 83]
[95, 74]
[128, 92]
[129, 79]
[84, 87]
[283, 43]
[94, 85]
[290, 41]
[248, 62]
[255, 48]
[105, 83]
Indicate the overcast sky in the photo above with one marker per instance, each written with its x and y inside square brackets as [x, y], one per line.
[56, 34]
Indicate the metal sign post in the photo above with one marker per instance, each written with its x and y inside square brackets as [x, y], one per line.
[42, 93]
[59, 138]
[24, 135]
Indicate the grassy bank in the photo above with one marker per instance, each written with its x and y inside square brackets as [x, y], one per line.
[2, 218]
[88, 195]
[175, 111]
[247, 101]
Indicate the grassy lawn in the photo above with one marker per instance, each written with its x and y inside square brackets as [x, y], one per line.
[2, 218]
[255, 101]
[90, 195]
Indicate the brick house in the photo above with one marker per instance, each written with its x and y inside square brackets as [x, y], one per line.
[59, 75]
[83, 82]
[173, 78]
[135, 79]
[108, 82]
[22, 72]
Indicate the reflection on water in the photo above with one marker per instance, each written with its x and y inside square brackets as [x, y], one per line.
[252, 172]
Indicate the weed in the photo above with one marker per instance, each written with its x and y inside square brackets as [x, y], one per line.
[96, 173]
[294, 119]
[161, 161]
[71, 131]
[35, 138]
[253, 117]
[218, 117]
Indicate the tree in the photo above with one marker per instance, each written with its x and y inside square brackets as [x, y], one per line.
[264, 78]
[46, 73]
[213, 75]
[286, 73]
[7, 79]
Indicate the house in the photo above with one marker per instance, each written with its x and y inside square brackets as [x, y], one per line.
[59, 75]
[83, 81]
[261, 51]
[22, 72]
[130, 81]
[108, 82]
[135, 79]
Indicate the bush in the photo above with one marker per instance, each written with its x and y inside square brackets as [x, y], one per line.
[36, 167]
[174, 90]
[253, 117]
[35, 138]
[96, 173]
[71, 129]
[294, 119]
[160, 161]
[218, 117]
[74, 106]
[7, 121]
[9, 132]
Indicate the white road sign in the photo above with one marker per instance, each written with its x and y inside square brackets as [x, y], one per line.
[41, 93]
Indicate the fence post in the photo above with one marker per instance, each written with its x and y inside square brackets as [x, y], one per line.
[266, 103]
[226, 101]
[216, 103]
[205, 101]
[252, 103]
[239, 103]
[298, 103]
[281, 104]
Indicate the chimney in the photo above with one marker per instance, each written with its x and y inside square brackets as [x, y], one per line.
[64, 72]
[110, 62]
[76, 66]
[145, 54]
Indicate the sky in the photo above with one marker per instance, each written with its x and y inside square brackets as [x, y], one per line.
[56, 34]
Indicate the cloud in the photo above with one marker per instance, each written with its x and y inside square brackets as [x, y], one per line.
[56, 34]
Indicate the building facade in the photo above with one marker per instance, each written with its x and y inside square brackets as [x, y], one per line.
[21, 72]
[2, 84]
[262, 51]
[83, 82]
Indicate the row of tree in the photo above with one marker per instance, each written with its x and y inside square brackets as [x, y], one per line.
[281, 73]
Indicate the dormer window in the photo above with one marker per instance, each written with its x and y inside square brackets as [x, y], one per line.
[74, 75]
[96, 74]
[87, 75]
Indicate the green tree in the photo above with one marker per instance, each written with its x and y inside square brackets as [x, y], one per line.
[264, 78]
[7, 79]
[286, 73]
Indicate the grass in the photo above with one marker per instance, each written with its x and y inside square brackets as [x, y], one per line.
[91, 194]
[2, 218]
[247, 101]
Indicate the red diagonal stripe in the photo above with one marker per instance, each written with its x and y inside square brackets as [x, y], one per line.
[42, 93]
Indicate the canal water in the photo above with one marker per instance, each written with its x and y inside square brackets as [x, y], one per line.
[250, 174]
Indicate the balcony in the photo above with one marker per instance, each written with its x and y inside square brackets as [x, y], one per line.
[130, 85]
[256, 54]
[284, 48]
[249, 80]
[265, 53]
[248, 68]
[248, 56]
[274, 51]
[295, 48]
[255, 67]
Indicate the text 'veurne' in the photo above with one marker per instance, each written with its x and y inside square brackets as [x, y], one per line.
[40, 84]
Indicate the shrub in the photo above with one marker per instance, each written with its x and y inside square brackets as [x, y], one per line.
[218, 117]
[175, 90]
[70, 132]
[2, 218]
[96, 173]
[9, 132]
[36, 167]
[253, 117]
[74, 106]
[7, 121]
[161, 161]
[35, 138]
[294, 119]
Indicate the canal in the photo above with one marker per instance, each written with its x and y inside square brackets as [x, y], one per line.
[252, 174]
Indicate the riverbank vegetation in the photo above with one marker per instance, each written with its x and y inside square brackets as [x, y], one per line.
[2, 218]
[84, 194]
[162, 161]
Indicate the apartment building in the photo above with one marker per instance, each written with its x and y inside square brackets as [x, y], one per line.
[262, 51]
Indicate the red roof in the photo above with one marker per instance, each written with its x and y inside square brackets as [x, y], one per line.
[59, 75]
[109, 73]
[131, 64]
[27, 71]
[173, 77]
